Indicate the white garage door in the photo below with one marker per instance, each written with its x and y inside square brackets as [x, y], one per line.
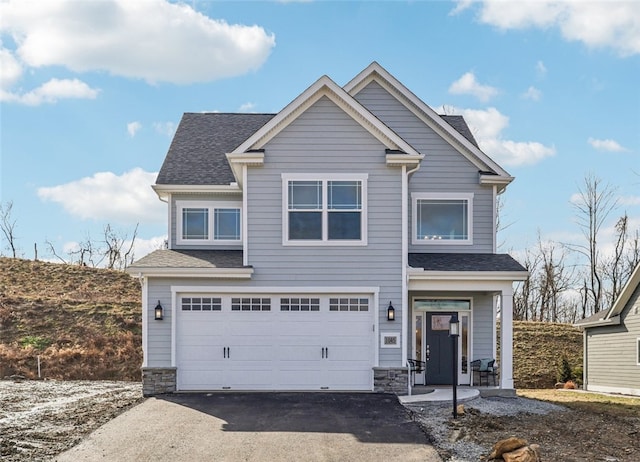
[267, 342]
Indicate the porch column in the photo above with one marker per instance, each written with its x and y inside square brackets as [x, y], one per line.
[506, 339]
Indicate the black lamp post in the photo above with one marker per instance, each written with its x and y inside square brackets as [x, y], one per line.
[454, 332]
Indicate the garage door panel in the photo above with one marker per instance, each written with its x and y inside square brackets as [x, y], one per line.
[301, 349]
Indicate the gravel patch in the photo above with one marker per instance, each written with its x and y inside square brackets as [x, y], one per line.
[39, 419]
[448, 435]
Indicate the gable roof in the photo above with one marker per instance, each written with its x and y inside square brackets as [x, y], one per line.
[375, 72]
[325, 87]
[196, 154]
[460, 125]
[611, 316]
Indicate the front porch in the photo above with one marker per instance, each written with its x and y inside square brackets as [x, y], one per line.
[421, 393]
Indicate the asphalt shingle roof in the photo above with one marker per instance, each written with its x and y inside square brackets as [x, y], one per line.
[460, 125]
[197, 153]
[190, 259]
[464, 262]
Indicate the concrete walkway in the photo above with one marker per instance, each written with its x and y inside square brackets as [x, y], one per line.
[441, 395]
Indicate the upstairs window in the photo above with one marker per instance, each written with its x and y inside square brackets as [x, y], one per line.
[207, 223]
[325, 210]
[442, 218]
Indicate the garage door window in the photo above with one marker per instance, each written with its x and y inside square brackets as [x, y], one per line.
[299, 304]
[201, 304]
[349, 304]
[250, 304]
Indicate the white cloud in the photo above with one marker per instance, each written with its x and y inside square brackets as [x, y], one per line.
[532, 93]
[487, 127]
[247, 107]
[11, 69]
[107, 197]
[629, 201]
[51, 92]
[165, 128]
[467, 84]
[541, 69]
[606, 145]
[613, 24]
[133, 128]
[154, 40]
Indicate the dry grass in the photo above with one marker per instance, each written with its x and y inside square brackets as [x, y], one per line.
[83, 323]
[593, 402]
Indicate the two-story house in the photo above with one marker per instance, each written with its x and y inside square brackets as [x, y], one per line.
[322, 247]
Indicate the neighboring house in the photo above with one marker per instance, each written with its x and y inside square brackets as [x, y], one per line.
[612, 343]
[293, 236]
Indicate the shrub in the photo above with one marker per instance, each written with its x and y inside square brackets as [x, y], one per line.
[34, 341]
[565, 374]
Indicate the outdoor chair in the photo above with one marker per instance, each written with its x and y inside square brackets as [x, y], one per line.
[416, 367]
[484, 368]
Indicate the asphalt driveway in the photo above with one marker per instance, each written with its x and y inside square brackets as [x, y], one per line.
[259, 427]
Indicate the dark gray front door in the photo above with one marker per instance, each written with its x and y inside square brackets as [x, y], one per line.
[439, 366]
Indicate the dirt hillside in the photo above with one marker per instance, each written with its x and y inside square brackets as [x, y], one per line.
[85, 323]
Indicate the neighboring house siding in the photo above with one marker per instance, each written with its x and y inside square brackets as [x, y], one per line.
[612, 351]
[326, 140]
[443, 170]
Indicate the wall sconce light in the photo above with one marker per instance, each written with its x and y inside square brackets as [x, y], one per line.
[454, 325]
[391, 313]
[158, 312]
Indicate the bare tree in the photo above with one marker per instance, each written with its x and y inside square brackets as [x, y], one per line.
[115, 253]
[8, 226]
[592, 206]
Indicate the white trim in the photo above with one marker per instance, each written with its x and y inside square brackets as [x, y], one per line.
[145, 320]
[211, 206]
[616, 390]
[238, 161]
[324, 177]
[638, 351]
[376, 327]
[419, 274]
[416, 196]
[629, 288]
[375, 72]
[212, 273]
[244, 225]
[174, 303]
[395, 344]
[165, 190]
[170, 244]
[277, 290]
[324, 86]
[405, 263]
[494, 220]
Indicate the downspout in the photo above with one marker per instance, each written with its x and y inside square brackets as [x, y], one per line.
[405, 261]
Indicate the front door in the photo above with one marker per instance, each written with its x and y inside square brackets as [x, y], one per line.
[438, 342]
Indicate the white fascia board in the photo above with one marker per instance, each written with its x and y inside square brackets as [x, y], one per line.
[494, 180]
[324, 86]
[626, 293]
[164, 190]
[238, 159]
[375, 72]
[599, 323]
[399, 160]
[212, 273]
[419, 274]
[279, 290]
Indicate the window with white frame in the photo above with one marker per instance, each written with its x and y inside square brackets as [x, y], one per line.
[442, 218]
[327, 210]
[207, 223]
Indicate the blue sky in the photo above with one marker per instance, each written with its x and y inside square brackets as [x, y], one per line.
[91, 93]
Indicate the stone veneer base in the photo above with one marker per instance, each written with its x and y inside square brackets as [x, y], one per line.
[158, 380]
[391, 380]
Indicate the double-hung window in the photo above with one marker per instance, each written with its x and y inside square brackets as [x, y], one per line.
[207, 223]
[328, 209]
[441, 218]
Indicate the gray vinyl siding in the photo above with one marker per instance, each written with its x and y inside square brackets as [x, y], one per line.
[612, 352]
[158, 350]
[443, 169]
[206, 200]
[325, 140]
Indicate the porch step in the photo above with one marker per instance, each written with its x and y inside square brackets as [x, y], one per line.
[442, 394]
